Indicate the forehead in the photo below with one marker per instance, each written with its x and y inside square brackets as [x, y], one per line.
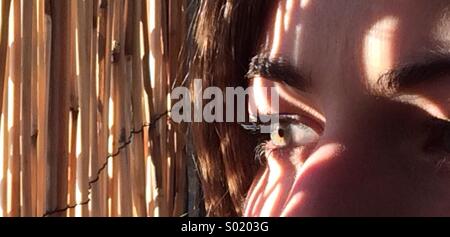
[357, 38]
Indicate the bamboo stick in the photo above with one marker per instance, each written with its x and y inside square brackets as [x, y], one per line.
[58, 108]
[44, 53]
[95, 204]
[108, 107]
[138, 161]
[6, 5]
[27, 61]
[83, 62]
[170, 164]
[4, 73]
[157, 139]
[74, 109]
[123, 119]
[162, 98]
[16, 78]
[115, 57]
[152, 148]
[104, 46]
[121, 195]
[6, 147]
[146, 58]
[72, 161]
[126, 185]
[34, 107]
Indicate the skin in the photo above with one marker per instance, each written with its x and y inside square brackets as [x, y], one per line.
[370, 158]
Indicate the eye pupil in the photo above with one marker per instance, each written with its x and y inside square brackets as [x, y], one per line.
[281, 132]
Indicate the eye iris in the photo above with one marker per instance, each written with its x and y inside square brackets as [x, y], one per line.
[280, 136]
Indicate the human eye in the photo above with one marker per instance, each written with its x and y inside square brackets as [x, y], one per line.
[289, 134]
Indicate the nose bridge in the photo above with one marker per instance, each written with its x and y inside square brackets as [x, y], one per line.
[348, 122]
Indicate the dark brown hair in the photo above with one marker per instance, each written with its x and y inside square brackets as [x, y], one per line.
[224, 37]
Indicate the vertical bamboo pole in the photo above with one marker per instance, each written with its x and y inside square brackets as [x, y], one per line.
[108, 108]
[125, 167]
[6, 5]
[158, 132]
[74, 108]
[95, 203]
[151, 142]
[72, 175]
[122, 114]
[83, 61]
[58, 107]
[170, 167]
[104, 46]
[146, 58]
[126, 94]
[27, 61]
[4, 31]
[34, 107]
[16, 78]
[4, 159]
[162, 84]
[138, 160]
[6, 138]
[115, 57]
[44, 53]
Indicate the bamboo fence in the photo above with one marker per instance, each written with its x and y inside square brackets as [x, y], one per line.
[84, 95]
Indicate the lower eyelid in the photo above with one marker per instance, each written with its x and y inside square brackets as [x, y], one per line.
[294, 154]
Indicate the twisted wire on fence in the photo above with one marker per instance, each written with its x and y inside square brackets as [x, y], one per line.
[127, 142]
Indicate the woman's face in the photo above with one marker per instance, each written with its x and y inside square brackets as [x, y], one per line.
[372, 79]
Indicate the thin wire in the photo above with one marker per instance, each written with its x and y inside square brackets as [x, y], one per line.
[127, 142]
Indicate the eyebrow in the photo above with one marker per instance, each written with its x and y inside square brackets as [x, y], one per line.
[411, 75]
[278, 69]
[396, 80]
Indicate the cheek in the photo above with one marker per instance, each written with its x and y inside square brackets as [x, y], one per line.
[272, 188]
[352, 185]
[351, 181]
